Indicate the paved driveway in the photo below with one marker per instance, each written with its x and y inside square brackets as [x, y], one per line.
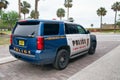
[20, 70]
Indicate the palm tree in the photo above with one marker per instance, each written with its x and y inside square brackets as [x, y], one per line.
[19, 8]
[68, 4]
[36, 9]
[3, 4]
[25, 8]
[101, 12]
[32, 14]
[115, 7]
[60, 13]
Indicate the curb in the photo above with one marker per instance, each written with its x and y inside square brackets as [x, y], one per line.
[7, 60]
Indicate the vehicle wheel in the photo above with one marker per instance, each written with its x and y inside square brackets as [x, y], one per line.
[62, 59]
[92, 48]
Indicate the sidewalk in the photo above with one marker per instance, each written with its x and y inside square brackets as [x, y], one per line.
[5, 56]
[106, 68]
[4, 51]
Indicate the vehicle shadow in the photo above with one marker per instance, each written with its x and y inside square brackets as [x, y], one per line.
[47, 67]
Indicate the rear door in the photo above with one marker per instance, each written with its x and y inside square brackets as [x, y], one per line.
[24, 37]
[77, 38]
[54, 36]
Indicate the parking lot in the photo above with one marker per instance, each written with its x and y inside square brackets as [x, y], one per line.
[19, 70]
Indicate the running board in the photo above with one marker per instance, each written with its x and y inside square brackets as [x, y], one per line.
[78, 54]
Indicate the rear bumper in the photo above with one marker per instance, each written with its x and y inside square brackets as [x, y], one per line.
[35, 59]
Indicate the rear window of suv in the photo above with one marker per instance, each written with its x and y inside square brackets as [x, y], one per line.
[26, 30]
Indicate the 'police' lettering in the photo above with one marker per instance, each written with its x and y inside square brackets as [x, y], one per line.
[80, 42]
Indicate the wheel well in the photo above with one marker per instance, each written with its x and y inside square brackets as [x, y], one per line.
[64, 47]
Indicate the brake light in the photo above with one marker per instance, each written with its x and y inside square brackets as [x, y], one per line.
[40, 43]
[22, 20]
[10, 39]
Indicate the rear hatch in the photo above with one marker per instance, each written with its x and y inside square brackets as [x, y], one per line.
[24, 37]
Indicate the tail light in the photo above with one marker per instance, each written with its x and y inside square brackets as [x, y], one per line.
[40, 43]
[10, 39]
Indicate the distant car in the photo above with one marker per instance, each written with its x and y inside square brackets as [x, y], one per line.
[50, 42]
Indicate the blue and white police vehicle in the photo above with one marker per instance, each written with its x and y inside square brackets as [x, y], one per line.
[50, 42]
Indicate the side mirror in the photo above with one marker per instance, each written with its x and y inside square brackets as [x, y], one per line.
[88, 32]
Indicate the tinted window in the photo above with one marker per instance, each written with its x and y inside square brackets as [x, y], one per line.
[81, 29]
[74, 29]
[26, 30]
[71, 29]
[51, 28]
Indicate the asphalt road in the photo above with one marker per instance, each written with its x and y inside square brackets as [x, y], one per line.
[20, 70]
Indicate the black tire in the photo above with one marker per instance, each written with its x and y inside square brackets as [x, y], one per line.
[92, 48]
[62, 59]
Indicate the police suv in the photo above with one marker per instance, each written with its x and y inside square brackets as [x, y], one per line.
[50, 42]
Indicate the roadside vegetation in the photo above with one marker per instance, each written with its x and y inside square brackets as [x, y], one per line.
[5, 32]
[103, 30]
[5, 37]
[4, 40]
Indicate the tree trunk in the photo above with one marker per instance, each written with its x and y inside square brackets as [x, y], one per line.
[24, 16]
[0, 13]
[60, 18]
[67, 13]
[36, 9]
[100, 23]
[115, 22]
[19, 4]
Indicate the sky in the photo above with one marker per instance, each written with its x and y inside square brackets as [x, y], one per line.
[83, 11]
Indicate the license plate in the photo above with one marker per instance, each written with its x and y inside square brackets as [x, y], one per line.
[21, 42]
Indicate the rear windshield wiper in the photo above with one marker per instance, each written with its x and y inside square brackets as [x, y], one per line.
[32, 34]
